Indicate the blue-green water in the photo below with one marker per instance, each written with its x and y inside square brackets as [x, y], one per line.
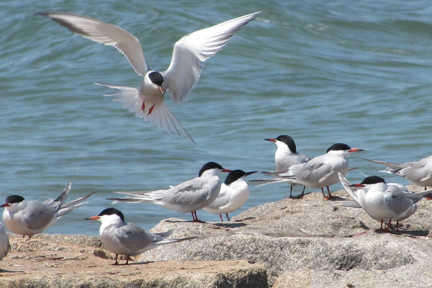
[320, 71]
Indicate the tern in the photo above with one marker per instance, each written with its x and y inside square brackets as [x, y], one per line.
[186, 197]
[418, 173]
[32, 217]
[383, 202]
[319, 172]
[286, 155]
[233, 194]
[184, 71]
[4, 242]
[123, 238]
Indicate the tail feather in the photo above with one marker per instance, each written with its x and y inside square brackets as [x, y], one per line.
[169, 241]
[73, 202]
[159, 114]
[64, 211]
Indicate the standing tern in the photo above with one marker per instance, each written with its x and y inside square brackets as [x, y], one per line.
[418, 173]
[233, 194]
[123, 238]
[319, 172]
[384, 202]
[4, 242]
[186, 197]
[31, 217]
[188, 58]
[286, 155]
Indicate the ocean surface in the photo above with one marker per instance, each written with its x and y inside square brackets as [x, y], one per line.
[323, 72]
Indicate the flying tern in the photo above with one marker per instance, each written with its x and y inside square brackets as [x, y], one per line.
[184, 71]
[186, 197]
[32, 217]
[233, 194]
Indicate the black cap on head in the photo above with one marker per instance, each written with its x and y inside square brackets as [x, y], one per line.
[111, 211]
[156, 78]
[338, 147]
[14, 199]
[288, 141]
[208, 166]
[373, 180]
[234, 175]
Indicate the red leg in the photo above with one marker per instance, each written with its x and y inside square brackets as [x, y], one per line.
[151, 109]
[143, 106]
[127, 260]
[220, 215]
[228, 217]
[116, 263]
[322, 190]
[328, 190]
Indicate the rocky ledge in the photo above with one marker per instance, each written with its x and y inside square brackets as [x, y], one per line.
[307, 242]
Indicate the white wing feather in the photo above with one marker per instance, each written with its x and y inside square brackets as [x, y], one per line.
[191, 51]
[104, 33]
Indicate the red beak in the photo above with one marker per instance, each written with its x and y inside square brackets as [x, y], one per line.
[357, 185]
[5, 205]
[161, 90]
[355, 150]
[92, 218]
[270, 139]
[226, 170]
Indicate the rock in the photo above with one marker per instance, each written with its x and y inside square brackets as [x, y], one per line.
[325, 243]
[78, 261]
[307, 242]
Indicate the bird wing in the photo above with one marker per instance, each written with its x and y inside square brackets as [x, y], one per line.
[134, 238]
[396, 200]
[38, 215]
[188, 193]
[223, 198]
[104, 33]
[393, 167]
[191, 51]
[346, 184]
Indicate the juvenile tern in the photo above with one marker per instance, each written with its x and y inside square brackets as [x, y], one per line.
[233, 194]
[418, 173]
[384, 202]
[319, 172]
[188, 58]
[31, 217]
[123, 238]
[188, 196]
[286, 155]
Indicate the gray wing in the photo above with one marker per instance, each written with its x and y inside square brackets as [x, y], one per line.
[191, 51]
[418, 172]
[313, 171]
[134, 237]
[392, 167]
[396, 200]
[104, 33]
[4, 242]
[187, 193]
[38, 215]
[302, 158]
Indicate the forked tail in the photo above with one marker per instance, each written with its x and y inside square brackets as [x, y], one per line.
[157, 114]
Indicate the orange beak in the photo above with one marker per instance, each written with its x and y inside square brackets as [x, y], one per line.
[92, 218]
